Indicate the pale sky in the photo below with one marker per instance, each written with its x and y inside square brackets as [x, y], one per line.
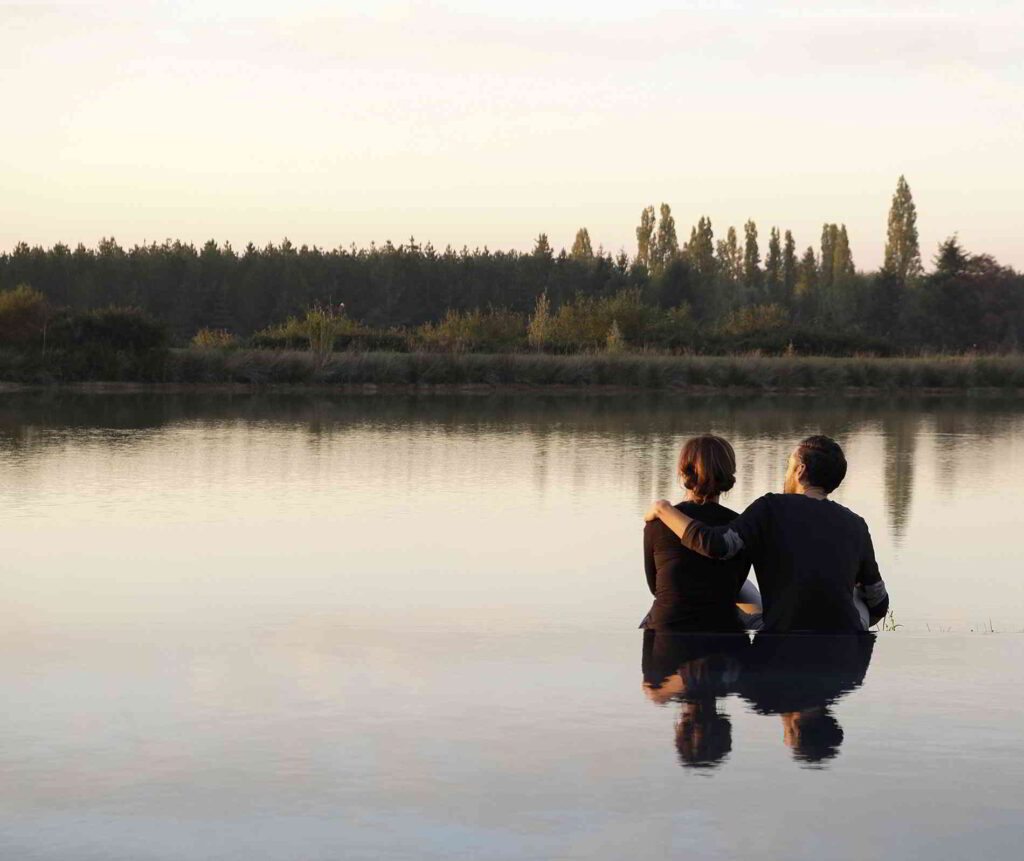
[485, 123]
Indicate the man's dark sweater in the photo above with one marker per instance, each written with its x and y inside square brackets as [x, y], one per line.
[809, 555]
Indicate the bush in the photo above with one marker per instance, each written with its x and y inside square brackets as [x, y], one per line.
[214, 339]
[23, 316]
[108, 344]
[493, 330]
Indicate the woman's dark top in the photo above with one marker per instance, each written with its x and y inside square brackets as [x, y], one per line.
[691, 592]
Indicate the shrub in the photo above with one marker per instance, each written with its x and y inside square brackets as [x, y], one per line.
[23, 316]
[465, 331]
[214, 339]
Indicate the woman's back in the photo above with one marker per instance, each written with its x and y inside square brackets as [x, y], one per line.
[691, 592]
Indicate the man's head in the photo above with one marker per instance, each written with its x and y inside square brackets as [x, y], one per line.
[819, 462]
[813, 735]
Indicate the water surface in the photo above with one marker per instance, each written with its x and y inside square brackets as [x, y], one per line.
[404, 627]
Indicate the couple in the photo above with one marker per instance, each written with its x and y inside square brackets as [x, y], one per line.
[813, 558]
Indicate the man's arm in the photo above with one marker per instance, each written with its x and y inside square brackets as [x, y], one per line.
[716, 542]
[869, 579]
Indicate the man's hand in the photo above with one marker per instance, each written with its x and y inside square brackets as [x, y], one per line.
[656, 507]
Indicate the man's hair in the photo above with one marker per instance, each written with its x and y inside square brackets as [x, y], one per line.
[824, 462]
[819, 738]
[707, 465]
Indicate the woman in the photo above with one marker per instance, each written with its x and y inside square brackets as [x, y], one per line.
[691, 592]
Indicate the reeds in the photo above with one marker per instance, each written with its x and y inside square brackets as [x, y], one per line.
[632, 370]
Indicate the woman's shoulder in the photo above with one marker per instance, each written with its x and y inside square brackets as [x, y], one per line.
[708, 512]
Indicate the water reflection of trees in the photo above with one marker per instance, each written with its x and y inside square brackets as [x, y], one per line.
[644, 428]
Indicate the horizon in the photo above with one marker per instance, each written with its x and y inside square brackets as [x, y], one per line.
[470, 126]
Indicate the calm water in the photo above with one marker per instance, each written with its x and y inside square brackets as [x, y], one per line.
[404, 627]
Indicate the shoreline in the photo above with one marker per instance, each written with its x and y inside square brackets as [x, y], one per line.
[244, 371]
[236, 388]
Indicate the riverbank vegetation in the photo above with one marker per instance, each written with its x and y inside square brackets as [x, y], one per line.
[409, 313]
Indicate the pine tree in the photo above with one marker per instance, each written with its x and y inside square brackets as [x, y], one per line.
[773, 267]
[751, 261]
[581, 248]
[542, 248]
[666, 245]
[645, 237]
[789, 266]
[902, 253]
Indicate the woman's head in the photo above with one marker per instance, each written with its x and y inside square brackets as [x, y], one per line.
[707, 466]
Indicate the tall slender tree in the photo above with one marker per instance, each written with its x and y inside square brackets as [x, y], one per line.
[645, 237]
[666, 244]
[752, 275]
[842, 257]
[829, 233]
[581, 247]
[807, 286]
[902, 252]
[700, 252]
[789, 266]
[773, 267]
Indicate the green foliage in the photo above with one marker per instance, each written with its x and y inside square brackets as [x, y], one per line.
[585, 322]
[614, 342]
[902, 253]
[494, 330]
[214, 339]
[538, 332]
[581, 247]
[755, 320]
[23, 316]
[666, 244]
[106, 344]
[754, 372]
[645, 238]
[411, 296]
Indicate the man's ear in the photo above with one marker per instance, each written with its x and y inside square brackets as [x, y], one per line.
[801, 471]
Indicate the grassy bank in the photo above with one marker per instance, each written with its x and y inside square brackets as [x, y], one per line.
[262, 367]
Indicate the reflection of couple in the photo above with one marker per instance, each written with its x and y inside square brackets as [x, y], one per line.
[813, 558]
[796, 677]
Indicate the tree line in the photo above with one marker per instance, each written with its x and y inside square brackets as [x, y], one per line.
[709, 292]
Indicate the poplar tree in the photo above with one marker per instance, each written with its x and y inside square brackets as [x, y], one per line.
[581, 248]
[842, 257]
[902, 253]
[789, 266]
[751, 260]
[773, 267]
[829, 232]
[730, 257]
[807, 284]
[644, 237]
[666, 245]
[700, 251]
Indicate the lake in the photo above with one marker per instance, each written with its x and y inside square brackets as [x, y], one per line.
[404, 627]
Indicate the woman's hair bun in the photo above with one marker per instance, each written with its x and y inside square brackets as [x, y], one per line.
[707, 465]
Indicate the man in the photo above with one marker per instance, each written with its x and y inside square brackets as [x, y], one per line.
[810, 554]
